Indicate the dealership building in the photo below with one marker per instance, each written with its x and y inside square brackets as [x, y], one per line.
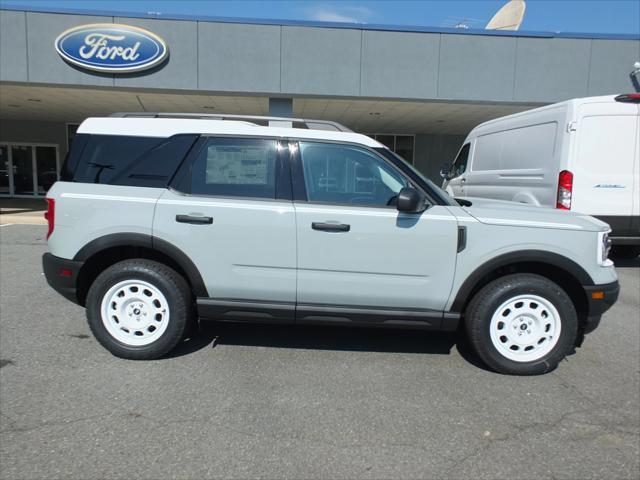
[417, 90]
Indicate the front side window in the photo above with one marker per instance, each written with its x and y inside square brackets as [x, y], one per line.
[344, 174]
[460, 164]
[236, 167]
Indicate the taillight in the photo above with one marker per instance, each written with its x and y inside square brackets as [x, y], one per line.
[50, 215]
[628, 98]
[565, 187]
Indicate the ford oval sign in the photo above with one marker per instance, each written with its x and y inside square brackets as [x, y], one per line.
[112, 48]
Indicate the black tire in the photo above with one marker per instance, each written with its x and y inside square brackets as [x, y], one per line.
[484, 304]
[625, 251]
[171, 284]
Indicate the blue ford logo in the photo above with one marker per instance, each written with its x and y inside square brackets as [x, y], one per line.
[113, 48]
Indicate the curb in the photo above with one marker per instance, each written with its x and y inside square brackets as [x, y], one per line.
[22, 220]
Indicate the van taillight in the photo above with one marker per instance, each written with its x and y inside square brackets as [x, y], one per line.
[565, 187]
[50, 215]
[628, 98]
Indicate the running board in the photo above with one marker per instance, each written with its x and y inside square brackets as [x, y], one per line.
[257, 311]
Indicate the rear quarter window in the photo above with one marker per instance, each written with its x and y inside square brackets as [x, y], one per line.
[126, 160]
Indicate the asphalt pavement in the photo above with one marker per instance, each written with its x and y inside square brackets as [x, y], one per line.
[285, 402]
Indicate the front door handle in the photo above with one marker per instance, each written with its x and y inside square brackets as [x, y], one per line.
[331, 227]
[194, 220]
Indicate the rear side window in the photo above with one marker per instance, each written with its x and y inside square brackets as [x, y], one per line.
[236, 167]
[124, 160]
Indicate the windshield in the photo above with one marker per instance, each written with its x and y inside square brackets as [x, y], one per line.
[419, 178]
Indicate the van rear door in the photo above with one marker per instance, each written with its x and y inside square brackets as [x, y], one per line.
[605, 164]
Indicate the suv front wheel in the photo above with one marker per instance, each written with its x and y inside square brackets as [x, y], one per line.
[522, 324]
[139, 309]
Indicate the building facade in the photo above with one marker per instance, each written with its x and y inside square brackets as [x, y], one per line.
[417, 90]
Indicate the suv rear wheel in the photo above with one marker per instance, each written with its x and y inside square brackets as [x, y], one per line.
[139, 309]
[522, 324]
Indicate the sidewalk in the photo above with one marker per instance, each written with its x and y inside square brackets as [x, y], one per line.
[25, 211]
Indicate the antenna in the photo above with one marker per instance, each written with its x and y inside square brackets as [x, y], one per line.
[509, 17]
[462, 22]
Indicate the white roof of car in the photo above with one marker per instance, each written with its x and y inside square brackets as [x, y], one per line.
[166, 127]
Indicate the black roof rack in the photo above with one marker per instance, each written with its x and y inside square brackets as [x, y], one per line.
[254, 119]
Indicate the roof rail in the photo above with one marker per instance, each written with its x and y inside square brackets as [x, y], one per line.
[255, 119]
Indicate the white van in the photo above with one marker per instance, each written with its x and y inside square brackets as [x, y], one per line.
[582, 155]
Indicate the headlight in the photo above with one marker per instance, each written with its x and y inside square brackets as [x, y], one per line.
[604, 247]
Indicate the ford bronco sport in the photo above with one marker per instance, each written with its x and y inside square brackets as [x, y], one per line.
[161, 219]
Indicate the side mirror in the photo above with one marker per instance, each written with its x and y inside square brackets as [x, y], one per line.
[445, 171]
[410, 201]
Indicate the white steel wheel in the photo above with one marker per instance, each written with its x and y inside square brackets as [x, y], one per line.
[135, 312]
[525, 328]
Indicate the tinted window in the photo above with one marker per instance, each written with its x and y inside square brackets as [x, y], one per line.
[460, 164]
[123, 160]
[155, 167]
[348, 175]
[236, 167]
[73, 157]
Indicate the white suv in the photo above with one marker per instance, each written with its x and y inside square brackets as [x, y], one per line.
[165, 218]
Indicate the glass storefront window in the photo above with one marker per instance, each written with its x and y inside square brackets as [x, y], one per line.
[388, 141]
[4, 170]
[403, 145]
[72, 128]
[46, 168]
[27, 170]
[22, 159]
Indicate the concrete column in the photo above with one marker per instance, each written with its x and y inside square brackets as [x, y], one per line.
[281, 107]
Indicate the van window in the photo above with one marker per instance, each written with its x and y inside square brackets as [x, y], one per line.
[236, 167]
[125, 160]
[530, 147]
[460, 164]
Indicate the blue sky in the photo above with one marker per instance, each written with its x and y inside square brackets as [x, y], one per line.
[588, 16]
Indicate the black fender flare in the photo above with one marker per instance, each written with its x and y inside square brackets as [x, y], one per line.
[149, 242]
[522, 256]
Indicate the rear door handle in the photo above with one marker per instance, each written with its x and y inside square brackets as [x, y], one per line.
[194, 220]
[331, 227]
